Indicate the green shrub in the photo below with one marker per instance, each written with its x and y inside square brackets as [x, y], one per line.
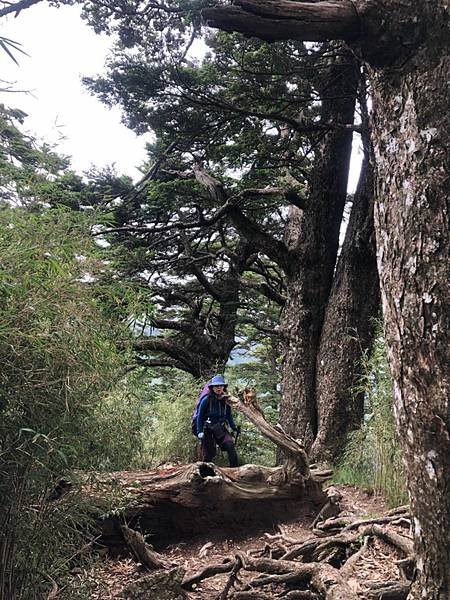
[372, 458]
[59, 406]
[169, 437]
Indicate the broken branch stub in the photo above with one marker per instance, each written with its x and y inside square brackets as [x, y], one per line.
[296, 464]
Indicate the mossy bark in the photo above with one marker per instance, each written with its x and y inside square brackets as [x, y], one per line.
[410, 136]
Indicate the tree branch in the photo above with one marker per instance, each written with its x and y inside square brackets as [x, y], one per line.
[201, 277]
[189, 360]
[295, 124]
[274, 249]
[17, 7]
[266, 290]
[154, 362]
[183, 326]
[286, 19]
[257, 325]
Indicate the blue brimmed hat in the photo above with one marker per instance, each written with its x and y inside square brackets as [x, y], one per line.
[217, 380]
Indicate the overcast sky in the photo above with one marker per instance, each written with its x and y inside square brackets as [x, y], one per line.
[62, 49]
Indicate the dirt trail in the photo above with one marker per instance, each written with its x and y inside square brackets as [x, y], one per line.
[108, 576]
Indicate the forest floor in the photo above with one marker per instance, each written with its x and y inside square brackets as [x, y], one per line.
[107, 577]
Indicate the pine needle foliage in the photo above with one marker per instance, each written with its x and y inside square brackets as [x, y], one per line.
[372, 458]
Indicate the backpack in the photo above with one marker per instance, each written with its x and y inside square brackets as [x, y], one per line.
[203, 393]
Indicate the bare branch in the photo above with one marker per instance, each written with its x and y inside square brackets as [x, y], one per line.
[17, 7]
[203, 280]
[268, 291]
[305, 21]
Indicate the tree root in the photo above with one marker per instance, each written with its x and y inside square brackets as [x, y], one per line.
[231, 579]
[349, 566]
[393, 590]
[391, 537]
[142, 551]
[225, 567]
[349, 523]
[319, 567]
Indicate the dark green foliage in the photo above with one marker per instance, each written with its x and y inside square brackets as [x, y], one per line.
[230, 108]
[240, 109]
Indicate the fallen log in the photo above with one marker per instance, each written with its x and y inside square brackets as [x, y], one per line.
[177, 502]
[181, 501]
[296, 462]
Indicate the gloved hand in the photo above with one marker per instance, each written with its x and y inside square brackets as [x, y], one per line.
[200, 435]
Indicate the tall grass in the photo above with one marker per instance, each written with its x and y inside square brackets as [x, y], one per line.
[60, 407]
[372, 458]
[169, 437]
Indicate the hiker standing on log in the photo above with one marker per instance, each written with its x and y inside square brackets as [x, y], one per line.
[213, 415]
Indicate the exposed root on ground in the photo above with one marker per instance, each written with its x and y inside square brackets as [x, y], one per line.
[346, 557]
[319, 567]
[331, 563]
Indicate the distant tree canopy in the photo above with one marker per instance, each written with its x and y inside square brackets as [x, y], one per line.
[252, 150]
[192, 203]
[32, 173]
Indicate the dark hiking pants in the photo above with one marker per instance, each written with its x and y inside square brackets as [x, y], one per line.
[217, 435]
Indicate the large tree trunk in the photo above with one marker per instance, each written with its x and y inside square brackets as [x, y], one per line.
[310, 274]
[406, 44]
[348, 328]
[410, 135]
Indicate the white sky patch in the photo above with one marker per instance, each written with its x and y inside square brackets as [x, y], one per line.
[62, 49]
[355, 163]
[102, 243]
[87, 278]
